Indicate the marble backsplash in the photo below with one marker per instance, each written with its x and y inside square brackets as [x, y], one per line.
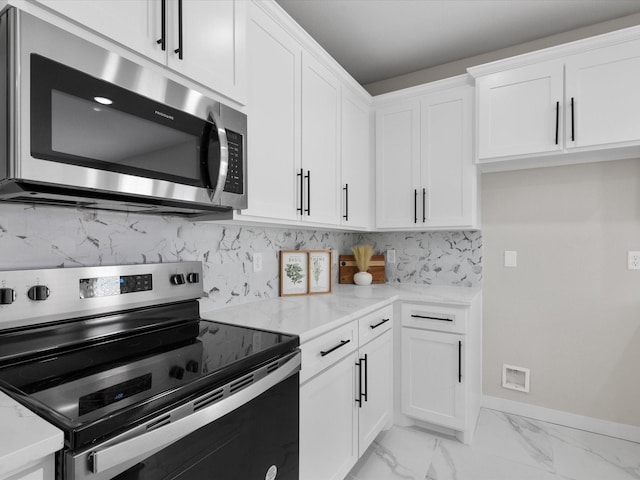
[432, 258]
[45, 237]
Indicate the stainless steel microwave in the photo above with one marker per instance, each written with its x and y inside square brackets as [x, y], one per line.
[86, 127]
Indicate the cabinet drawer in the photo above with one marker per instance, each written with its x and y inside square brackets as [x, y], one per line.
[327, 349]
[434, 317]
[376, 323]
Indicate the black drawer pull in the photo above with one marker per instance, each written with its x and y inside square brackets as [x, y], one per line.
[341, 344]
[384, 320]
[459, 361]
[433, 318]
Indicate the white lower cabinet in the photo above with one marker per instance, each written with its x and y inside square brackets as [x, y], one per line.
[432, 381]
[345, 395]
[42, 470]
[441, 366]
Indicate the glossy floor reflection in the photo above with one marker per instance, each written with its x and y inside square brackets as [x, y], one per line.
[506, 447]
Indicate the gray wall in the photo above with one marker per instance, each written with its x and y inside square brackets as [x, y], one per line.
[460, 67]
[570, 310]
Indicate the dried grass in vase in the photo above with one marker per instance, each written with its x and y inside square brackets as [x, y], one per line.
[362, 255]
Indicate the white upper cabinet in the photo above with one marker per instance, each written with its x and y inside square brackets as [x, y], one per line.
[210, 37]
[204, 41]
[357, 168]
[136, 24]
[603, 87]
[425, 175]
[320, 143]
[274, 71]
[573, 103]
[397, 164]
[520, 111]
[448, 177]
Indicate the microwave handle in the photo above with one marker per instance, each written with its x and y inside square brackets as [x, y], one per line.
[224, 157]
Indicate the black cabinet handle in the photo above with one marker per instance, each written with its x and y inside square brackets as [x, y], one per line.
[301, 175]
[179, 49]
[384, 320]
[573, 131]
[415, 205]
[459, 361]
[557, 120]
[433, 318]
[346, 202]
[163, 26]
[359, 397]
[366, 377]
[308, 177]
[327, 352]
[424, 205]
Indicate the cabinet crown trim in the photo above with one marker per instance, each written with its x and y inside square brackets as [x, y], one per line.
[423, 89]
[557, 52]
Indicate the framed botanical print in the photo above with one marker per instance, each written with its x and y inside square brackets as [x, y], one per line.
[320, 274]
[294, 272]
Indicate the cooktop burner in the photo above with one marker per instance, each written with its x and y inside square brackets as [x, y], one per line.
[95, 375]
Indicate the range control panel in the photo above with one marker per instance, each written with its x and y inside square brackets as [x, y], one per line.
[29, 297]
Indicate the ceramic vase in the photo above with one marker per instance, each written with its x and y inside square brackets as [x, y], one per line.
[362, 278]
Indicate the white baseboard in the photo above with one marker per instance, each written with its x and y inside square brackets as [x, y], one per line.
[558, 417]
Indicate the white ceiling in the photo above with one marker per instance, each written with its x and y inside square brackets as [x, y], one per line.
[379, 39]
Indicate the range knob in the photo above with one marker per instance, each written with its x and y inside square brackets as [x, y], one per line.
[176, 372]
[193, 277]
[38, 292]
[193, 366]
[177, 279]
[7, 296]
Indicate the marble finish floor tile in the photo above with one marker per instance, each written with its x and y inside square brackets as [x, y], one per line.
[505, 447]
[399, 453]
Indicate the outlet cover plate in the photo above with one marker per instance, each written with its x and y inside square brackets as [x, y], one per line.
[633, 261]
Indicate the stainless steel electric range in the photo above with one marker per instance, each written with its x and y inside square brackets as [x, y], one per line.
[143, 388]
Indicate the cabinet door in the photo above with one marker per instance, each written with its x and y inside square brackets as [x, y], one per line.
[328, 423]
[519, 111]
[357, 168]
[448, 176]
[375, 412]
[432, 377]
[136, 24]
[320, 142]
[273, 118]
[397, 164]
[603, 85]
[213, 43]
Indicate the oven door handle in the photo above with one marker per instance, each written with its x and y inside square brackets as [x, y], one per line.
[144, 445]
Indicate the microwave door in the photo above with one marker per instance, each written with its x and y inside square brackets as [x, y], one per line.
[215, 156]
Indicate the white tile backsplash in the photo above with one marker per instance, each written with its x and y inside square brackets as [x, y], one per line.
[45, 237]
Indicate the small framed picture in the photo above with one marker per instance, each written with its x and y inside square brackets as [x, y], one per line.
[320, 273]
[294, 272]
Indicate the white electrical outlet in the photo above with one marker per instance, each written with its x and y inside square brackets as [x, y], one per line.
[510, 258]
[257, 262]
[391, 256]
[633, 261]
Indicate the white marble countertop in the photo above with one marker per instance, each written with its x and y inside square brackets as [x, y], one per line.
[312, 315]
[24, 437]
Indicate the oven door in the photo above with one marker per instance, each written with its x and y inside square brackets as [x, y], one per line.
[233, 432]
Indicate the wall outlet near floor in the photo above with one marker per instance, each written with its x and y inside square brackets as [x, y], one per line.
[391, 256]
[633, 261]
[515, 378]
[257, 262]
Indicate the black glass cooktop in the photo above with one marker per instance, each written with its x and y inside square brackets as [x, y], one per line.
[97, 376]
